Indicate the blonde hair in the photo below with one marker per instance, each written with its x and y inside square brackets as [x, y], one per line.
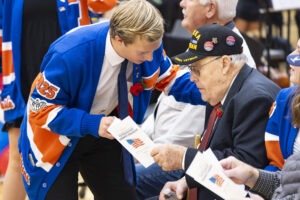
[136, 18]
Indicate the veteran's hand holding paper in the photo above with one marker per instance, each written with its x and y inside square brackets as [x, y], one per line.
[169, 156]
[206, 170]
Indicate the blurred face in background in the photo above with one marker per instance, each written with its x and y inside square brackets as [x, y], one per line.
[295, 70]
[194, 14]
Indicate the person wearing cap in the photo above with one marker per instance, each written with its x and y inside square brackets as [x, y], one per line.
[217, 63]
[282, 145]
[282, 138]
[162, 125]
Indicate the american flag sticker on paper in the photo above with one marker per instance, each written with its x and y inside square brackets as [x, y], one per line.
[218, 180]
[135, 142]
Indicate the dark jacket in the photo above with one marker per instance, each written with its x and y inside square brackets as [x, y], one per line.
[240, 130]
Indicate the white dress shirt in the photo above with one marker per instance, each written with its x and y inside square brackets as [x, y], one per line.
[106, 97]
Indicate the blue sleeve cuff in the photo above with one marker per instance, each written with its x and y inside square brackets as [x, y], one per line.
[90, 124]
[272, 168]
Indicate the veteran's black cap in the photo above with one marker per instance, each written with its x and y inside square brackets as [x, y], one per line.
[210, 40]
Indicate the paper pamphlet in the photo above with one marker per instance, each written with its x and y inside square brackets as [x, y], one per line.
[206, 170]
[132, 137]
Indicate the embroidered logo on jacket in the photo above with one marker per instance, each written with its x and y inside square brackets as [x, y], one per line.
[46, 88]
[37, 104]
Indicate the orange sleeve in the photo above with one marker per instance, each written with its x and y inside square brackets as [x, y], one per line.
[164, 82]
[102, 6]
[274, 153]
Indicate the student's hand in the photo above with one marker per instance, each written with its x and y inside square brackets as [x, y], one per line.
[169, 156]
[104, 124]
[239, 172]
[178, 187]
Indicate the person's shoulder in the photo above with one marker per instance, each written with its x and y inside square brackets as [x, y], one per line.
[80, 36]
[257, 86]
[284, 94]
[289, 90]
[258, 79]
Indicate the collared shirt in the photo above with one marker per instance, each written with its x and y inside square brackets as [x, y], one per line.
[106, 96]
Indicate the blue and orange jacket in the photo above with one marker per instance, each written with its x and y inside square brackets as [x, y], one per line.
[71, 13]
[58, 110]
[1, 24]
[280, 133]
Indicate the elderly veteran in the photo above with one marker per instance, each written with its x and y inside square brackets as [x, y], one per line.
[243, 97]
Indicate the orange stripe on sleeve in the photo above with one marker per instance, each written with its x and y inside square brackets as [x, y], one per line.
[47, 142]
[7, 63]
[163, 83]
[85, 18]
[151, 81]
[101, 6]
[274, 154]
[1, 45]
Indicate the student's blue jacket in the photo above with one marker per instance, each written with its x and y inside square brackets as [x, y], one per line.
[70, 13]
[58, 110]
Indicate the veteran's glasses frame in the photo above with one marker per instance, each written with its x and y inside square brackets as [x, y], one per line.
[196, 69]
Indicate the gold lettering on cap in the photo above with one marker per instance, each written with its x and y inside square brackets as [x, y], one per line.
[178, 59]
[196, 34]
[193, 46]
[190, 59]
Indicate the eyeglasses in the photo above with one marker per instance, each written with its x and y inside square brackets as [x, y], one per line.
[196, 69]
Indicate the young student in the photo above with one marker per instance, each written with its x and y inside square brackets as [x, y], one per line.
[80, 89]
[29, 27]
[282, 136]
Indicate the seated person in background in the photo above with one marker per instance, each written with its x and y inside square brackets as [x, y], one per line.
[280, 185]
[172, 122]
[282, 136]
[247, 15]
[203, 12]
[162, 125]
[220, 72]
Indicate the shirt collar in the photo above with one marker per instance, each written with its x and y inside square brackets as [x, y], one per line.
[225, 96]
[110, 54]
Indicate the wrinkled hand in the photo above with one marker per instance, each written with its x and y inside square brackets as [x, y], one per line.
[239, 172]
[104, 124]
[168, 156]
[179, 187]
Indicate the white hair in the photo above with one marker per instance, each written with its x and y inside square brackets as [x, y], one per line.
[226, 8]
[236, 58]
